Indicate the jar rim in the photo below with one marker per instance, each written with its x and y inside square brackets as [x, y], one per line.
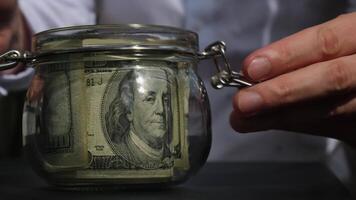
[133, 37]
[142, 27]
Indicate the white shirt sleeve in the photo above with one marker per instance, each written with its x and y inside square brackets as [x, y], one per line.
[15, 82]
[46, 14]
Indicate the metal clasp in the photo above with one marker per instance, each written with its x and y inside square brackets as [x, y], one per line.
[225, 76]
[11, 58]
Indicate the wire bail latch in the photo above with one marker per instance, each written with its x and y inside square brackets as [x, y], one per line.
[225, 76]
[11, 58]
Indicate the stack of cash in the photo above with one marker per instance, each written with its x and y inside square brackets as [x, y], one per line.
[102, 118]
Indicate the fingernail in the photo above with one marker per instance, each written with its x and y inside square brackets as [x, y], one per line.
[259, 68]
[249, 102]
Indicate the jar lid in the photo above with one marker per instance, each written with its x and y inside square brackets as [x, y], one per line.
[127, 37]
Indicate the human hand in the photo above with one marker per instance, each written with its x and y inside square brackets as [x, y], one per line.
[14, 33]
[308, 83]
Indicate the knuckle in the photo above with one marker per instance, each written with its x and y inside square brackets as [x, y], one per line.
[338, 76]
[283, 93]
[285, 54]
[328, 42]
[284, 51]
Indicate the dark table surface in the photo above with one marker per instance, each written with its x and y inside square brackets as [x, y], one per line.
[218, 181]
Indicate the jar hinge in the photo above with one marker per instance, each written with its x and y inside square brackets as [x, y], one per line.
[11, 58]
[225, 76]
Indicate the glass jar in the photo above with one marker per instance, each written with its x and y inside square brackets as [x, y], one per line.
[117, 105]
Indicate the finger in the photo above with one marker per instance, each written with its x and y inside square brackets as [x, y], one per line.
[330, 78]
[283, 118]
[319, 43]
[313, 118]
[346, 107]
[342, 129]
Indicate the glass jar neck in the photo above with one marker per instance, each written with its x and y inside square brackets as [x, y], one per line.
[115, 37]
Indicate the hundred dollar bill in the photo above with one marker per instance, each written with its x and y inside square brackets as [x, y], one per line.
[134, 126]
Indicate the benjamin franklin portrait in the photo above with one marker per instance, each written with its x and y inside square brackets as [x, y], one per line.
[138, 119]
